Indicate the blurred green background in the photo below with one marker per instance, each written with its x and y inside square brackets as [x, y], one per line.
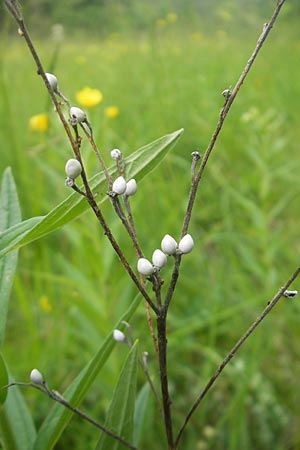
[162, 65]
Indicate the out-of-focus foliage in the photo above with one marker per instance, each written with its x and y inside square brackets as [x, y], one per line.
[110, 16]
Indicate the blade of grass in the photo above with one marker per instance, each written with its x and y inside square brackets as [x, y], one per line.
[16, 424]
[10, 214]
[120, 415]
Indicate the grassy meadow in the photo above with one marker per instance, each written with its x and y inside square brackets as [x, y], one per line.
[70, 289]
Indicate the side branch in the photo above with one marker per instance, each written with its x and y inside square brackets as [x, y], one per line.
[269, 307]
[229, 99]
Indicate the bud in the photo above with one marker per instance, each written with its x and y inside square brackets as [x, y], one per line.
[119, 336]
[73, 168]
[52, 81]
[159, 259]
[119, 185]
[36, 377]
[169, 245]
[186, 244]
[131, 187]
[115, 153]
[77, 114]
[145, 267]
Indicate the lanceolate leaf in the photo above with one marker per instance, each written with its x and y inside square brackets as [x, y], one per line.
[16, 424]
[58, 418]
[138, 164]
[10, 214]
[121, 411]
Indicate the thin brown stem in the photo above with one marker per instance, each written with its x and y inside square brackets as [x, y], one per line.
[57, 397]
[229, 99]
[99, 157]
[230, 355]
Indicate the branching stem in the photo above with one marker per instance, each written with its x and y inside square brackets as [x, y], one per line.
[230, 355]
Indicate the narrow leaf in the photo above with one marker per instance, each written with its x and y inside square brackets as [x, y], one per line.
[3, 380]
[16, 425]
[10, 214]
[140, 413]
[138, 164]
[59, 417]
[121, 411]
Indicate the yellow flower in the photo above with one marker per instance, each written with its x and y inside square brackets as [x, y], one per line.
[172, 17]
[39, 122]
[161, 23]
[44, 304]
[89, 97]
[111, 111]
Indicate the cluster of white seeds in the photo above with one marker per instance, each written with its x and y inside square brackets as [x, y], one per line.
[120, 186]
[168, 247]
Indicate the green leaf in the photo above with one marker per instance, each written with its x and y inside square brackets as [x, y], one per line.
[16, 425]
[138, 164]
[141, 414]
[3, 380]
[121, 411]
[10, 214]
[59, 417]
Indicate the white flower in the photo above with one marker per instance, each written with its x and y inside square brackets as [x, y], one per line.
[119, 336]
[115, 153]
[169, 245]
[186, 244]
[159, 259]
[77, 114]
[36, 377]
[119, 185]
[52, 81]
[131, 187]
[73, 168]
[145, 267]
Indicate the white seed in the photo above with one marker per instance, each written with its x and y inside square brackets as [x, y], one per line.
[159, 259]
[77, 114]
[73, 168]
[169, 245]
[115, 153]
[36, 377]
[131, 187]
[145, 267]
[186, 244]
[119, 185]
[52, 81]
[119, 336]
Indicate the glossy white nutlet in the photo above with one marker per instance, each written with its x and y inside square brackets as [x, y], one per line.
[145, 267]
[78, 114]
[73, 168]
[119, 336]
[131, 187]
[119, 185]
[159, 259]
[168, 245]
[36, 377]
[52, 81]
[115, 153]
[186, 244]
